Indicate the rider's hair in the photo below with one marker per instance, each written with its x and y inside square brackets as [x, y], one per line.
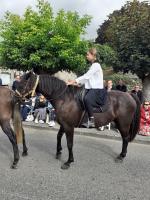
[93, 51]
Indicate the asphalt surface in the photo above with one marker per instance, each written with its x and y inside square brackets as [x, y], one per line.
[106, 134]
[93, 176]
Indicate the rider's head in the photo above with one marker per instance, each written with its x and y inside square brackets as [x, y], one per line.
[91, 55]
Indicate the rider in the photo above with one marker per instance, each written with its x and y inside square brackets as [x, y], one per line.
[93, 81]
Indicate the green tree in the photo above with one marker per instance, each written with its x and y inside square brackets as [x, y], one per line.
[102, 37]
[43, 41]
[106, 55]
[128, 32]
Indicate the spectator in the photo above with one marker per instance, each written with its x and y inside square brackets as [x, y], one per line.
[109, 85]
[40, 109]
[138, 92]
[145, 119]
[51, 112]
[25, 109]
[1, 82]
[121, 86]
[15, 83]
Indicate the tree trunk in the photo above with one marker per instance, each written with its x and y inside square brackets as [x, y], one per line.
[146, 88]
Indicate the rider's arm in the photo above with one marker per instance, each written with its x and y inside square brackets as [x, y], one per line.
[93, 69]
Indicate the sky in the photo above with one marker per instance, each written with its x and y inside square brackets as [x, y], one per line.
[98, 9]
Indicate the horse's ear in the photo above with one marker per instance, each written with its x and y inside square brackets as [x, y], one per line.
[32, 71]
[27, 75]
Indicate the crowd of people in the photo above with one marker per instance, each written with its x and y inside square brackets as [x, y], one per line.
[145, 105]
[39, 110]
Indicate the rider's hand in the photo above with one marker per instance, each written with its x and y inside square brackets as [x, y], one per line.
[71, 82]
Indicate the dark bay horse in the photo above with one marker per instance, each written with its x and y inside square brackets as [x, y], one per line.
[123, 109]
[10, 109]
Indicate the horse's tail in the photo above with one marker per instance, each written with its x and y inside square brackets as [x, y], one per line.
[134, 127]
[17, 123]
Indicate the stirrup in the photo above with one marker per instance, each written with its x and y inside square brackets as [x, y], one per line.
[91, 124]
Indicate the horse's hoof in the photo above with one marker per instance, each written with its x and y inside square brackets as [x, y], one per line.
[24, 153]
[119, 159]
[65, 166]
[58, 155]
[13, 166]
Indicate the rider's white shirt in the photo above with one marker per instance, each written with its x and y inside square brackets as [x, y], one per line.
[93, 78]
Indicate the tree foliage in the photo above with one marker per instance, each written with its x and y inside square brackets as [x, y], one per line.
[128, 32]
[106, 55]
[44, 41]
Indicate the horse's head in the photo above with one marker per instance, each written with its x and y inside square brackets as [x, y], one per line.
[27, 85]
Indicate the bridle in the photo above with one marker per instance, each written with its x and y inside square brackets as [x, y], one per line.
[32, 92]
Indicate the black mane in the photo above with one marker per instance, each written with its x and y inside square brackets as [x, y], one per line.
[55, 87]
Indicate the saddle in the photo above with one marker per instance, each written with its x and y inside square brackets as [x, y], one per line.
[99, 108]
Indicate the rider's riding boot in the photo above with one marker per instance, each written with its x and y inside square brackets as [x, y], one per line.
[91, 123]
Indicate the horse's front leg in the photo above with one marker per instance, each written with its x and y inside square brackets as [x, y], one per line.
[59, 147]
[69, 137]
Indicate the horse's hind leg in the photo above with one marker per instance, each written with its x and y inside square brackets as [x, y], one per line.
[25, 149]
[125, 141]
[124, 131]
[59, 147]
[69, 136]
[11, 135]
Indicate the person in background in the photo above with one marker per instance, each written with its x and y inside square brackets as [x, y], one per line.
[121, 86]
[16, 82]
[109, 85]
[40, 109]
[51, 115]
[25, 109]
[145, 119]
[138, 92]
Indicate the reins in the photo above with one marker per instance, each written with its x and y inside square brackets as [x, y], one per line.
[59, 94]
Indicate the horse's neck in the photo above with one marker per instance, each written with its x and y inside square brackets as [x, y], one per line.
[52, 95]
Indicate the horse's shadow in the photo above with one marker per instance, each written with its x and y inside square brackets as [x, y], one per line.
[45, 147]
[49, 148]
[106, 149]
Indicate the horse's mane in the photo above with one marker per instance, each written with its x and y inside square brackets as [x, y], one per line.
[50, 84]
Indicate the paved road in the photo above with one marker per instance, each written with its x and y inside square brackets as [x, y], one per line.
[93, 176]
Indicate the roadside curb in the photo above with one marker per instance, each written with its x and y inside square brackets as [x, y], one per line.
[106, 134]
